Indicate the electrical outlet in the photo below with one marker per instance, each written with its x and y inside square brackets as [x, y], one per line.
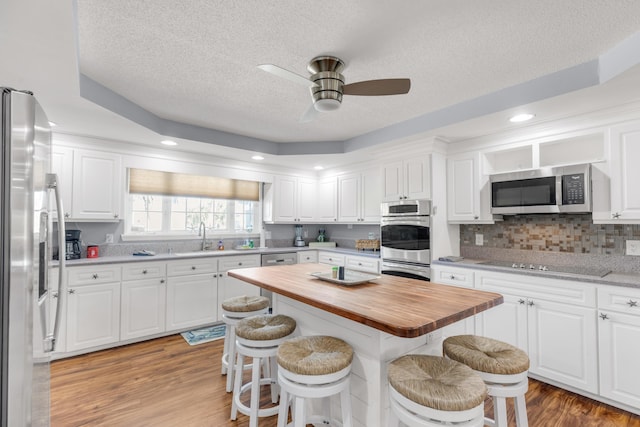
[350, 226]
[267, 234]
[108, 238]
[633, 247]
[305, 233]
[479, 239]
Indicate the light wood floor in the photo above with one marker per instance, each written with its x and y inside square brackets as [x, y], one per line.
[167, 383]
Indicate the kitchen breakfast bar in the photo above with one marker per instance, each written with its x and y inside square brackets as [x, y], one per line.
[382, 320]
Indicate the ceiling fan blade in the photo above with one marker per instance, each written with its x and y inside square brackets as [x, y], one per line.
[286, 74]
[378, 87]
[309, 115]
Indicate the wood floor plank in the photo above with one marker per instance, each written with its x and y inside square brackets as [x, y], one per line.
[167, 383]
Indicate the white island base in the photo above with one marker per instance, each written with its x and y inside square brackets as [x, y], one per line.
[373, 350]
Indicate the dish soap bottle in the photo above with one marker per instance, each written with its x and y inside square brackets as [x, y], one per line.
[220, 245]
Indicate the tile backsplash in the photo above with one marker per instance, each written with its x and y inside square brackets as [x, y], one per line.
[553, 233]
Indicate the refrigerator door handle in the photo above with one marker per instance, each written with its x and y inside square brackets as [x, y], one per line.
[50, 341]
[43, 280]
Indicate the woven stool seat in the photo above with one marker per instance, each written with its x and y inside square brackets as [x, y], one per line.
[315, 355]
[243, 304]
[265, 327]
[486, 354]
[437, 382]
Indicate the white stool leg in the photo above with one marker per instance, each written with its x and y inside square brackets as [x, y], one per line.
[300, 416]
[237, 385]
[225, 351]
[273, 374]
[345, 406]
[500, 411]
[255, 392]
[283, 409]
[231, 356]
[521, 411]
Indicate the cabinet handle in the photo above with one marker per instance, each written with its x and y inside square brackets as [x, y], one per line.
[95, 276]
[67, 215]
[615, 215]
[530, 302]
[116, 216]
[452, 277]
[193, 267]
[521, 301]
[359, 263]
[72, 291]
[603, 316]
[144, 271]
[475, 217]
[632, 303]
[55, 294]
[239, 263]
[161, 280]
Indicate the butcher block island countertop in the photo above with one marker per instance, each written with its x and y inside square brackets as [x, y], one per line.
[398, 306]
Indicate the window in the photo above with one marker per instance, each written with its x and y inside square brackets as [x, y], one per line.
[176, 204]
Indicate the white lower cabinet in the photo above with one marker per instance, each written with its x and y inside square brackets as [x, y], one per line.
[554, 321]
[461, 277]
[228, 286]
[143, 302]
[93, 307]
[619, 347]
[192, 293]
[351, 262]
[307, 257]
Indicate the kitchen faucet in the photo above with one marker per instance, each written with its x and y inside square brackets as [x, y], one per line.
[203, 229]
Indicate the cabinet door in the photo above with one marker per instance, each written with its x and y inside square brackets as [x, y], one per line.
[563, 343]
[506, 322]
[625, 174]
[62, 165]
[307, 257]
[327, 200]
[307, 200]
[392, 181]
[463, 202]
[143, 308]
[192, 301]
[349, 196]
[619, 348]
[371, 183]
[285, 196]
[93, 315]
[417, 178]
[97, 191]
[360, 263]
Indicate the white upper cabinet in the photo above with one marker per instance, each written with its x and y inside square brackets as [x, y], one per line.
[407, 179]
[90, 183]
[293, 199]
[625, 173]
[359, 197]
[327, 200]
[468, 192]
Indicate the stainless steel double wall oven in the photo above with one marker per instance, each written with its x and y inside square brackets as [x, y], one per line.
[405, 238]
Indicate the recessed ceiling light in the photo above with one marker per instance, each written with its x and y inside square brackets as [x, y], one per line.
[52, 124]
[168, 142]
[521, 117]
[318, 168]
[257, 157]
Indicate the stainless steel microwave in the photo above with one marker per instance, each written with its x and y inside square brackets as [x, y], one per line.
[546, 190]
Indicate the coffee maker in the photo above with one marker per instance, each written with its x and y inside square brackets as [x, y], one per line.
[72, 241]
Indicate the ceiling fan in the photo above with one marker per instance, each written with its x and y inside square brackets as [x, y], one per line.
[327, 84]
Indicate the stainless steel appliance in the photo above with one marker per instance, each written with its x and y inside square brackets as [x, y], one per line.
[27, 337]
[286, 258]
[547, 190]
[299, 241]
[405, 238]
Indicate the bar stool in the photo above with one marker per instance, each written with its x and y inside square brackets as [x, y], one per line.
[259, 337]
[233, 310]
[503, 368]
[432, 391]
[314, 367]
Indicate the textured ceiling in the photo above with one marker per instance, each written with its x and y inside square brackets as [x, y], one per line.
[195, 62]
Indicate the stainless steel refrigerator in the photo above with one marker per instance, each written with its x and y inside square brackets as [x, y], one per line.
[28, 334]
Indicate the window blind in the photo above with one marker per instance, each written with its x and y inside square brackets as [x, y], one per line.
[142, 181]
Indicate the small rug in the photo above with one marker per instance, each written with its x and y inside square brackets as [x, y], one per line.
[200, 336]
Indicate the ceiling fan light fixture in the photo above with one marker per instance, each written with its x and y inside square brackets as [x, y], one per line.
[326, 104]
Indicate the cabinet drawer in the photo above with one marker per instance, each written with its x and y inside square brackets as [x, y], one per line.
[331, 259]
[307, 256]
[94, 274]
[362, 264]
[243, 261]
[192, 266]
[146, 270]
[619, 298]
[456, 277]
